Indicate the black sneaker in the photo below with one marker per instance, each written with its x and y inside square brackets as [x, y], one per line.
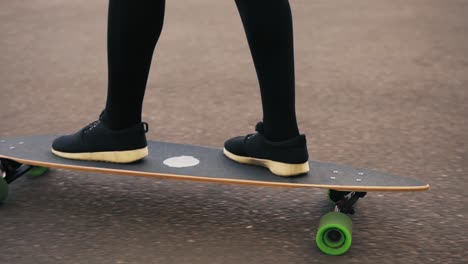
[98, 143]
[284, 158]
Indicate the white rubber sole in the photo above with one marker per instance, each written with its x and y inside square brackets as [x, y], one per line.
[278, 168]
[126, 156]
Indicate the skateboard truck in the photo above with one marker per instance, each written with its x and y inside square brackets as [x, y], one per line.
[346, 204]
[11, 170]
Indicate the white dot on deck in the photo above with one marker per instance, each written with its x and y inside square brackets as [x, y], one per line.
[21, 143]
[358, 180]
[332, 178]
[12, 147]
[335, 171]
[361, 173]
[3, 141]
[181, 162]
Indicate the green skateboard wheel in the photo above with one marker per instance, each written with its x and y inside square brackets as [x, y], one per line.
[3, 190]
[37, 171]
[334, 234]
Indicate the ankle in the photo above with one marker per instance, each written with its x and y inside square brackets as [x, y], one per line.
[117, 124]
[278, 134]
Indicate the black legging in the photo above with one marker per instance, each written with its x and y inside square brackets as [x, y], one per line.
[134, 28]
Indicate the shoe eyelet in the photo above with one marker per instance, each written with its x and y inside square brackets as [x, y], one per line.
[91, 126]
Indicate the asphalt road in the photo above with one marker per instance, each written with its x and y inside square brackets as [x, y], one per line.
[380, 84]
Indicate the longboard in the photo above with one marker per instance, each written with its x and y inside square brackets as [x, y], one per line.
[32, 155]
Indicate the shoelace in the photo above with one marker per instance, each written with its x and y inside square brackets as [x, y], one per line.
[248, 136]
[94, 124]
[91, 126]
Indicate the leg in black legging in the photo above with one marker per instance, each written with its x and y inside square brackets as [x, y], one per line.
[269, 30]
[134, 28]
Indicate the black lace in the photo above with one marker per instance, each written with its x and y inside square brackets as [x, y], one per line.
[248, 136]
[91, 126]
[258, 129]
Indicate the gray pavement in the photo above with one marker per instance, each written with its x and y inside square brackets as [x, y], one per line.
[380, 84]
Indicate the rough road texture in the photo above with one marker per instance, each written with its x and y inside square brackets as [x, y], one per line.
[380, 84]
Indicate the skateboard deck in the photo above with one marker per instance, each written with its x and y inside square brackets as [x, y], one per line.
[32, 154]
[188, 162]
